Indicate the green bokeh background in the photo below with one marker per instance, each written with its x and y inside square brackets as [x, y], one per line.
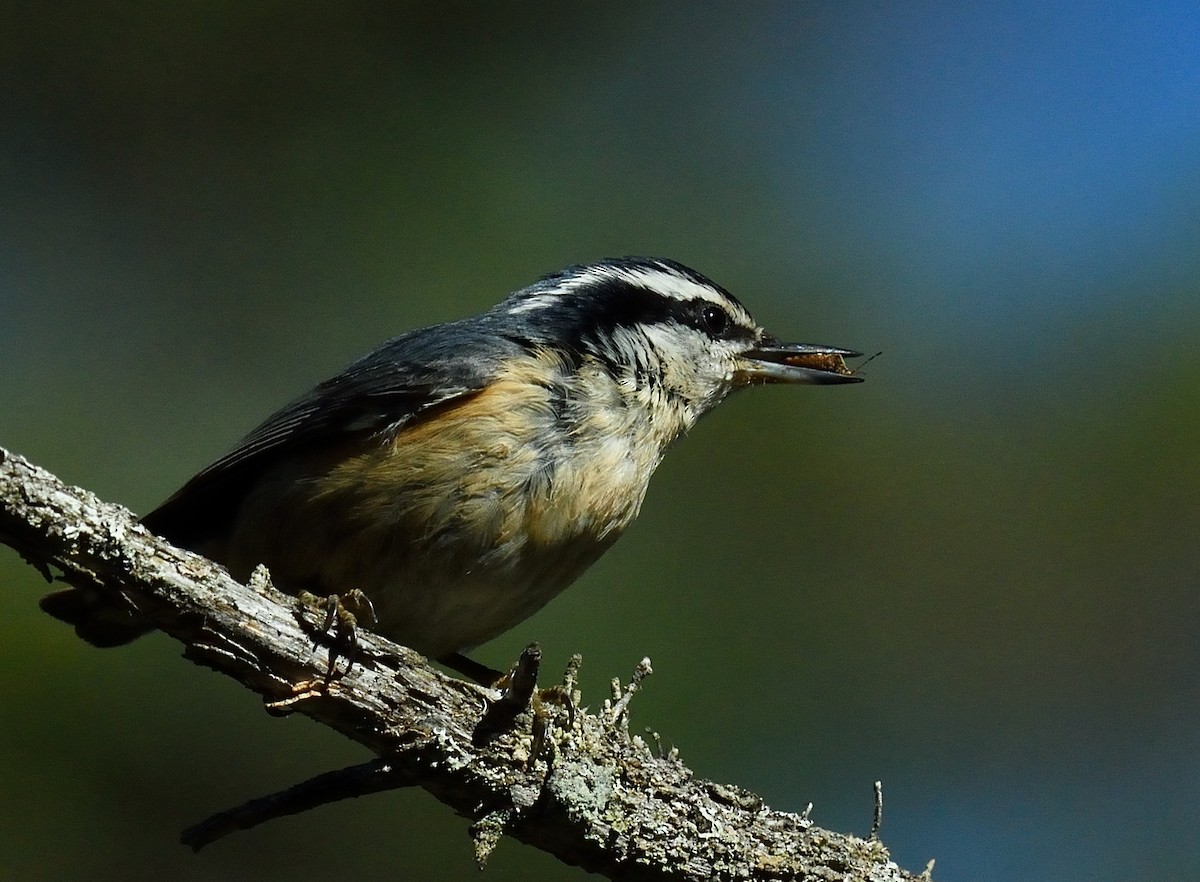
[973, 577]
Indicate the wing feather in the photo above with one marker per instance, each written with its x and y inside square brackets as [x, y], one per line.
[377, 395]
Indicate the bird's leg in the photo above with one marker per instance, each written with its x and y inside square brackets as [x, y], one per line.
[564, 696]
[556, 697]
[473, 670]
[343, 613]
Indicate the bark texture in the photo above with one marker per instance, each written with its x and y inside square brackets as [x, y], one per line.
[592, 794]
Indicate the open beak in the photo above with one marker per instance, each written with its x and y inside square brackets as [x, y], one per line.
[774, 362]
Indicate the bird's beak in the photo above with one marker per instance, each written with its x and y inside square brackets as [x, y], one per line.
[774, 362]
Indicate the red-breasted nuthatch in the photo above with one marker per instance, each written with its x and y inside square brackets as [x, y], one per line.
[463, 474]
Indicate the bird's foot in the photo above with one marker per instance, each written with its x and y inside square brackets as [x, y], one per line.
[342, 615]
[548, 704]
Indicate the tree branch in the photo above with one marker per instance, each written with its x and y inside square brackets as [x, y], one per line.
[595, 796]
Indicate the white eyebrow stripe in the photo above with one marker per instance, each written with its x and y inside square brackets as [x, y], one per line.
[660, 280]
[681, 288]
[669, 284]
[663, 280]
[533, 304]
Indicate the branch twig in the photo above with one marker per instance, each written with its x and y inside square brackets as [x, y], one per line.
[373, 777]
[596, 797]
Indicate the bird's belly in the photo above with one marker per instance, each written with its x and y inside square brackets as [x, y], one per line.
[440, 610]
[500, 554]
[455, 539]
[441, 590]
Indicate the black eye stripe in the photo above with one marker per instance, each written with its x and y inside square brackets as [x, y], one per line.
[617, 302]
[591, 313]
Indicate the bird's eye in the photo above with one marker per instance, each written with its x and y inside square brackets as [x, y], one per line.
[714, 320]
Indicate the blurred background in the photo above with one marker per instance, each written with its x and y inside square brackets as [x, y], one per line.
[973, 577]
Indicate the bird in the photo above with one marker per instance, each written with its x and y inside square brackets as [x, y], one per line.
[462, 475]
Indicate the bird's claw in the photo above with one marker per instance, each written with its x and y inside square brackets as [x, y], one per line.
[343, 613]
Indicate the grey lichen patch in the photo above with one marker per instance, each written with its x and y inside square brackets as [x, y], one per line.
[260, 581]
[487, 833]
[582, 787]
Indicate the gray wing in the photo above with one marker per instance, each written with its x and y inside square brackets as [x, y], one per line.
[377, 395]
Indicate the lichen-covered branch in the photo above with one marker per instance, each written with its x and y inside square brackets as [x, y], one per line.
[593, 796]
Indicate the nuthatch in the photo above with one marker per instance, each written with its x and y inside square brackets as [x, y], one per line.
[464, 474]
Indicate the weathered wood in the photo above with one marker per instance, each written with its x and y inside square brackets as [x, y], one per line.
[596, 796]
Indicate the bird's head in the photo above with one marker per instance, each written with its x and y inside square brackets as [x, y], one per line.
[668, 335]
